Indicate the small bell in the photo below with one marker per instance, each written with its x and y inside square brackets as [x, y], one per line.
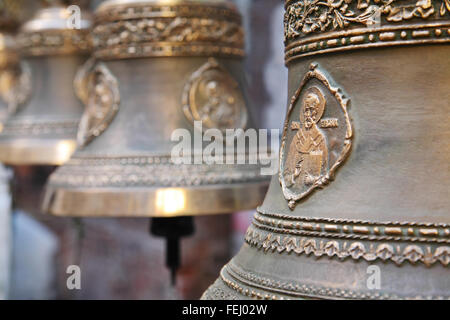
[45, 111]
[360, 207]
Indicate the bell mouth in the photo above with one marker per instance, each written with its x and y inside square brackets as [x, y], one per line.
[153, 202]
[36, 151]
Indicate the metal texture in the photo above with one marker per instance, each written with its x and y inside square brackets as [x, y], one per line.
[167, 28]
[9, 76]
[364, 177]
[11, 14]
[135, 102]
[45, 111]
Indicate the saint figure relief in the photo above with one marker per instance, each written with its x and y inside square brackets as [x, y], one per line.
[214, 97]
[307, 158]
[220, 107]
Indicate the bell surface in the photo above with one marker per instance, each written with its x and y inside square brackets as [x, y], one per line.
[360, 207]
[9, 75]
[41, 128]
[158, 67]
[11, 14]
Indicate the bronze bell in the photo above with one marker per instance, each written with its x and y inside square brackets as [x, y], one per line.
[11, 14]
[360, 208]
[42, 124]
[10, 76]
[156, 66]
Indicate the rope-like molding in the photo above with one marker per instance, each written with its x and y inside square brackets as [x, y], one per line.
[368, 38]
[254, 286]
[347, 229]
[352, 221]
[148, 170]
[367, 250]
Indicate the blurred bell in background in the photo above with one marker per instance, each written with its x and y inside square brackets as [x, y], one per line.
[11, 16]
[41, 128]
[116, 255]
[158, 69]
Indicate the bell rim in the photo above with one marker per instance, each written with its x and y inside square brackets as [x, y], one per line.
[36, 151]
[142, 201]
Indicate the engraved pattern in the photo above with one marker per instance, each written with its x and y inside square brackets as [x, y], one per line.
[176, 30]
[371, 38]
[54, 42]
[306, 162]
[313, 16]
[343, 249]
[355, 221]
[250, 284]
[344, 239]
[148, 171]
[354, 229]
[212, 96]
[216, 293]
[101, 95]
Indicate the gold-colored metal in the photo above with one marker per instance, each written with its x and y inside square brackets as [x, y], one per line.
[11, 14]
[360, 207]
[43, 120]
[167, 28]
[9, 76]
[157, 67]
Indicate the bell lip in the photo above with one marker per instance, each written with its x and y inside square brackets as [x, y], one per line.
[142, 202]
[36, 151]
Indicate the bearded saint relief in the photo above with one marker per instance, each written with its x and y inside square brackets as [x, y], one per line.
[313, 148]
[220, 107]
[307, 158]
[214, 97]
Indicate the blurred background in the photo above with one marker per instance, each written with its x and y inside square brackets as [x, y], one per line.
[119, 259]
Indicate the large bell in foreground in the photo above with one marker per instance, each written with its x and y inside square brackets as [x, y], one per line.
[360, 208]
[42, 129]
[158, 66]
